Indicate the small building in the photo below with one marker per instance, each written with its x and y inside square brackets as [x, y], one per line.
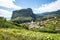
[57, 28]
[35, 25]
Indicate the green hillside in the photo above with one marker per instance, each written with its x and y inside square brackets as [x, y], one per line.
[14, 31]
[22, 34]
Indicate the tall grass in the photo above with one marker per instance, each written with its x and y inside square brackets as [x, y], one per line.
[17, 34]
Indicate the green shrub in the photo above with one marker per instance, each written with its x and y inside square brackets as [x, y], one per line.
[6, 24]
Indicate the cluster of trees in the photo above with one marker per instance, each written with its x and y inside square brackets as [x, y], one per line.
[2, 21]
[6, 24]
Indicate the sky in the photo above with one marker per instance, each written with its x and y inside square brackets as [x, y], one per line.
[38, 6]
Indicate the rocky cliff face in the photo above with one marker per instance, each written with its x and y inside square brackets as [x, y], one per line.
[23, 15]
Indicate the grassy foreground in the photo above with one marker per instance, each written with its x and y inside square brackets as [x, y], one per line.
[22, 34]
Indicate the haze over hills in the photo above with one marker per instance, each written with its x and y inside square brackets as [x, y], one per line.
[51, 14]
[47, 13]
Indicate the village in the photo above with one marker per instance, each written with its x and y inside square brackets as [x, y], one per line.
[42, 24]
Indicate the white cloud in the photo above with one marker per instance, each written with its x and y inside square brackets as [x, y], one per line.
[54, 6]
[5, 13]
[9, 4]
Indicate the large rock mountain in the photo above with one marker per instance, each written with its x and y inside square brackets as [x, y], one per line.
[23, 15]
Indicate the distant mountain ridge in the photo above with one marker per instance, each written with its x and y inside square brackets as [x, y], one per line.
[49, 13]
